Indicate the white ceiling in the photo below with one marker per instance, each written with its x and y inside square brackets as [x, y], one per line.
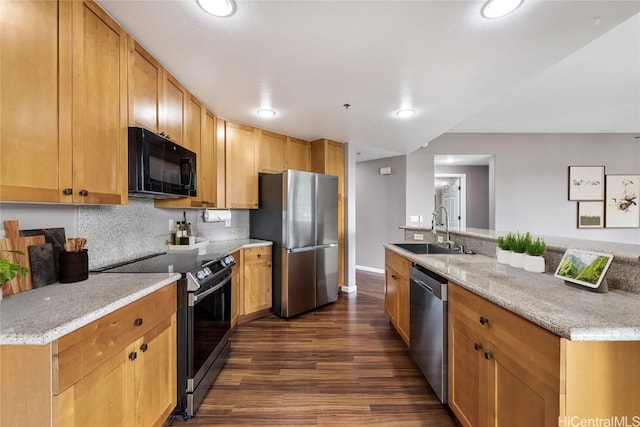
[462, 159]
[544, 68]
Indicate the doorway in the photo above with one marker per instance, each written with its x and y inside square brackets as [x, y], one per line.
[451, 192]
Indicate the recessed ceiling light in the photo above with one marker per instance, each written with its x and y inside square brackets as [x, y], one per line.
[405, 113]
[265, 112]
[219, 8]
[498, 8]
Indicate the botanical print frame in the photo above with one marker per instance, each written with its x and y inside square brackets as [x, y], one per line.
[621, 207]
[591, 214]
[586, 183]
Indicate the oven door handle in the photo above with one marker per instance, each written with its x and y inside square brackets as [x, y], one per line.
[195, 299]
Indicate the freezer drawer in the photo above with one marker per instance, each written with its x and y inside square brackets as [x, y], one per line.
[298, 291]
[326, 275]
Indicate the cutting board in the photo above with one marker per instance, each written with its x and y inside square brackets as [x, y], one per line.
[15, 243]
[43, 271]
[55, 236]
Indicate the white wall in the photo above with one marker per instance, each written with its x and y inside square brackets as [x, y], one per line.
[530, 177]
[380, 206]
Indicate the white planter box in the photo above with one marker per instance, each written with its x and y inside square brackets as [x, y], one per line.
[517, 260]
[503, 256]
[534, 264]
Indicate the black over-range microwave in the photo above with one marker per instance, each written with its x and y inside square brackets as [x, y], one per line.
[158, 167]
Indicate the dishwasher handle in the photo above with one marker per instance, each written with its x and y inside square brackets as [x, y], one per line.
[429, 281]
[424, 285]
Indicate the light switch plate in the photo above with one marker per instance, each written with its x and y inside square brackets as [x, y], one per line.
[440, 239]
[418, 236]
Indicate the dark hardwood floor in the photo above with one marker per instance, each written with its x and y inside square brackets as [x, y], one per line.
[341, 365]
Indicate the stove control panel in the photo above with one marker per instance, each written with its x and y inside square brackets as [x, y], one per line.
[208, 272]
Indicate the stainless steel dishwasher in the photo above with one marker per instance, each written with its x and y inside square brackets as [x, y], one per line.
[428, 327]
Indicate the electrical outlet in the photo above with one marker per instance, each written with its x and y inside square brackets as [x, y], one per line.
[227, 223]
[418, 236]
[440, 239]
[171, 225]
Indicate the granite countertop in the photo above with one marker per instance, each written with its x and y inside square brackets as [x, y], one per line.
[41, 316]
[230, 246]
[544, 300]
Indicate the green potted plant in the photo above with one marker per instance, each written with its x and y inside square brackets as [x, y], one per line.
[534, 261]
[518, 249]
[503, 250]
[9, 270]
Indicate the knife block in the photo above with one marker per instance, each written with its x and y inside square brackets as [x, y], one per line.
[73, 266]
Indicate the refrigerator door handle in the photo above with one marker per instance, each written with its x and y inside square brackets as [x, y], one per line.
[305, 249]
[329, 245]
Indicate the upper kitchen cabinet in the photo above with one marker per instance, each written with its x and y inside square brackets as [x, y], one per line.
[99, 90]
[271, 150]
[194, 121]
[146, 89]
[221, 170]
[328, 157]
[35, 77]
[64, 66]
[175, 101]
[208, 160]
[298, 154]
[241, 175]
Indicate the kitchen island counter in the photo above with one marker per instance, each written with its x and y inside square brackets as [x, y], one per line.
[542, 299]
[41, 316]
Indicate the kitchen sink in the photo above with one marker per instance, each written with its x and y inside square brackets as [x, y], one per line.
[428, 248]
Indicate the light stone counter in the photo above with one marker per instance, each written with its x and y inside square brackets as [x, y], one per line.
[542, 299]
[41, 316]
[230, 246]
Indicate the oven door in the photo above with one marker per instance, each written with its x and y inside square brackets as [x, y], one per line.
[208, 330]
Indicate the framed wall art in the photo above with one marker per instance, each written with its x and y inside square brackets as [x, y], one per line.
[586, 183]
[591, 214]
[621, 204]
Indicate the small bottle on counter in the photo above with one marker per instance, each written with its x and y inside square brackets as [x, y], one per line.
[178, 233]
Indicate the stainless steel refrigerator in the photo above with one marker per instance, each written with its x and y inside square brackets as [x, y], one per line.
[298, 211]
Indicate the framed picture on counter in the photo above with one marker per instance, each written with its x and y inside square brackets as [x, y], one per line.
[590, 214]
[622, 210]
[586, 183]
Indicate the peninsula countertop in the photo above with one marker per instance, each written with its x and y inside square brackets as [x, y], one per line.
[41, 316]
[542, 299]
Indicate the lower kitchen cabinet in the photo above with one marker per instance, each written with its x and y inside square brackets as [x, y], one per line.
[396, 296]
[236, 288]
[257, 277]
[119, 370]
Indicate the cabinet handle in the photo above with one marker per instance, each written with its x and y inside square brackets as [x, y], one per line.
[166, 135]
[259, 255]
[144, 347]
[477, 347]
[488, 356]
[84, 193]
[484, 320]
[394, 277]
[137, 322]
[269, 265]
[133, 355]
[67, 191]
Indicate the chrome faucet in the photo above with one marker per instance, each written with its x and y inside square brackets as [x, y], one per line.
[448, 242]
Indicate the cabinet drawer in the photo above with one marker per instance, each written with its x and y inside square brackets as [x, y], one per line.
[524, 341]
[261, 254]
[81, 351]
[398, 263]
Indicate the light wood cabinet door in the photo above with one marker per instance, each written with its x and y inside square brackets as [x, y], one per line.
[271, 151]
[145, 89]
[99, 107]
[298, 154]
[35, 101]
[105, 397]
[257, 279]
[155, 374]
[467, 398]
[403, 318]
[241, 175]
[208, 160]
[175, 101]
[391, 295]
[221, 169]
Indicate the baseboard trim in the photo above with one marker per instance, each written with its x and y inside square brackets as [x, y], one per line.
[349, 289]
[370, 269]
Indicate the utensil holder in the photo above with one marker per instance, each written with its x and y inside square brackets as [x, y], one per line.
[73, 266]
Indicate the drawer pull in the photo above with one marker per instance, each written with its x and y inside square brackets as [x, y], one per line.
[488, 356]
[137, 322]
[394, 277]
[133, 355]
[259, 255]
[477, 347]
[67, 191]
[484, 320]
[144, 347]
[84, 193]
